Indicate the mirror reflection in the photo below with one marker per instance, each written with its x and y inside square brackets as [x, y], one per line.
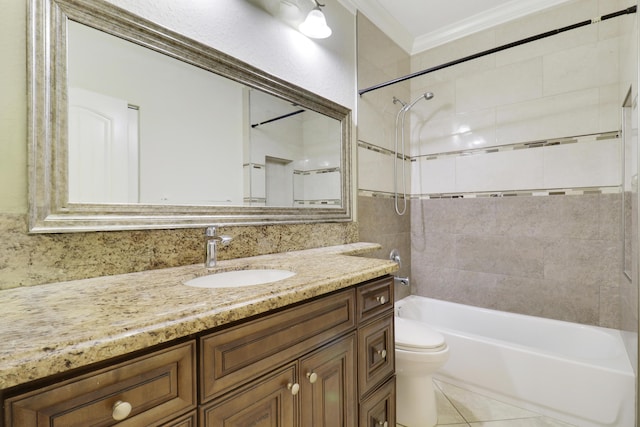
[146, 128]
[134, 126]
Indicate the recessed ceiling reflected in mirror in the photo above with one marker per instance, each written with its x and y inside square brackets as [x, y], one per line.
[154, 130]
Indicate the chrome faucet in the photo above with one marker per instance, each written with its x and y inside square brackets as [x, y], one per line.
[212, 245]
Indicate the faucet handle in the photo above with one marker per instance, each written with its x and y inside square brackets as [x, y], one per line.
[212, 231]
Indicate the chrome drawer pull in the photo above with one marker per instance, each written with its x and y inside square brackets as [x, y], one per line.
[121, 410]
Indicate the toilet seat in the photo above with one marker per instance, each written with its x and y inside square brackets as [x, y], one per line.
[411, 335]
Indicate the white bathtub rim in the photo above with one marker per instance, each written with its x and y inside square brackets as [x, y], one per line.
[618, 364]
[619, 415]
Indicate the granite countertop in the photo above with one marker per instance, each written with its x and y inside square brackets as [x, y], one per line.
[48, 329]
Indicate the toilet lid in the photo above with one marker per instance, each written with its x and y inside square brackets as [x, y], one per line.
[411, 334]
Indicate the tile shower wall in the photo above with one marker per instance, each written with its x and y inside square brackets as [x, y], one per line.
[380, 59]
[553, 256]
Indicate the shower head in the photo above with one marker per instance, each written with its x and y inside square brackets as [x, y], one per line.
[426, 95]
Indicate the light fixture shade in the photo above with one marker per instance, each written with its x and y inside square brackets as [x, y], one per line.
[315, 26]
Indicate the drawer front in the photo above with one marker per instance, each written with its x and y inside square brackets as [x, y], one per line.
[379, 410]
[264, 402]
[376, 353]
[158, 387]
[375, 298]
[231, 357]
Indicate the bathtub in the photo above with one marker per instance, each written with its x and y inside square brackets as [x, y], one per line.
[574, 373]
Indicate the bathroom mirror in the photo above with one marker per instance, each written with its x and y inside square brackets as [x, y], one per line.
[133, 126]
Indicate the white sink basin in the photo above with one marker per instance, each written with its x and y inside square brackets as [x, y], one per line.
[239, 278]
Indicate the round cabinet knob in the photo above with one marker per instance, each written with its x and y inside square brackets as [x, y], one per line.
[383, 353]
[121, 410]
[381, 299]
[313, 377]
[383, 423]
[294, 388]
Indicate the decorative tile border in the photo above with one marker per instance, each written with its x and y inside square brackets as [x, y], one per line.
[316, 171]
[525, 193]
[380, 150]
[500, 148]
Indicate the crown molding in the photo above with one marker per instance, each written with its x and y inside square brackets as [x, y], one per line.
[391, 27]
[513, 10]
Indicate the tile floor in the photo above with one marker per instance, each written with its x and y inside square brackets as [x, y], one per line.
[461, 408]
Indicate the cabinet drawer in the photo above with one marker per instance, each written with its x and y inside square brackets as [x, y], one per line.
[379, 410]
[157, 386]
[231, 357]
[376, 353]
[375, 298]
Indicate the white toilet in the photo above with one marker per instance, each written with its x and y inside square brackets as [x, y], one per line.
[420, 351]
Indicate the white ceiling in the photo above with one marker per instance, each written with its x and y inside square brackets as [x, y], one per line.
[418, 25]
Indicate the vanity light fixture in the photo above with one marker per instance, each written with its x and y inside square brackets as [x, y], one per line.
[315, 25]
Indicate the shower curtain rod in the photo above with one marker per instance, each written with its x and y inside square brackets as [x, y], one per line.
[626, 11]
[284, 116]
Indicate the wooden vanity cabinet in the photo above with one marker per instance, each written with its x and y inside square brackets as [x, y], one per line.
[312, 347]
[325, 362]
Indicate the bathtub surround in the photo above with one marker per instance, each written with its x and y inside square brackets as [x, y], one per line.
[547, 256]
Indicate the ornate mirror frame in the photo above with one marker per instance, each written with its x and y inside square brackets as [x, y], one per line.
[49, 208]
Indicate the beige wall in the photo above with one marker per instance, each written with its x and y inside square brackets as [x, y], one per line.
[379, 60]
[228, 25]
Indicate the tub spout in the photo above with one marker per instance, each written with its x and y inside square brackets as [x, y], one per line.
[404, 281]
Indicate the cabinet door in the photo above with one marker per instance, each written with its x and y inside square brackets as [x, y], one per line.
[328, 385]
[379, 410]
[265, 402]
